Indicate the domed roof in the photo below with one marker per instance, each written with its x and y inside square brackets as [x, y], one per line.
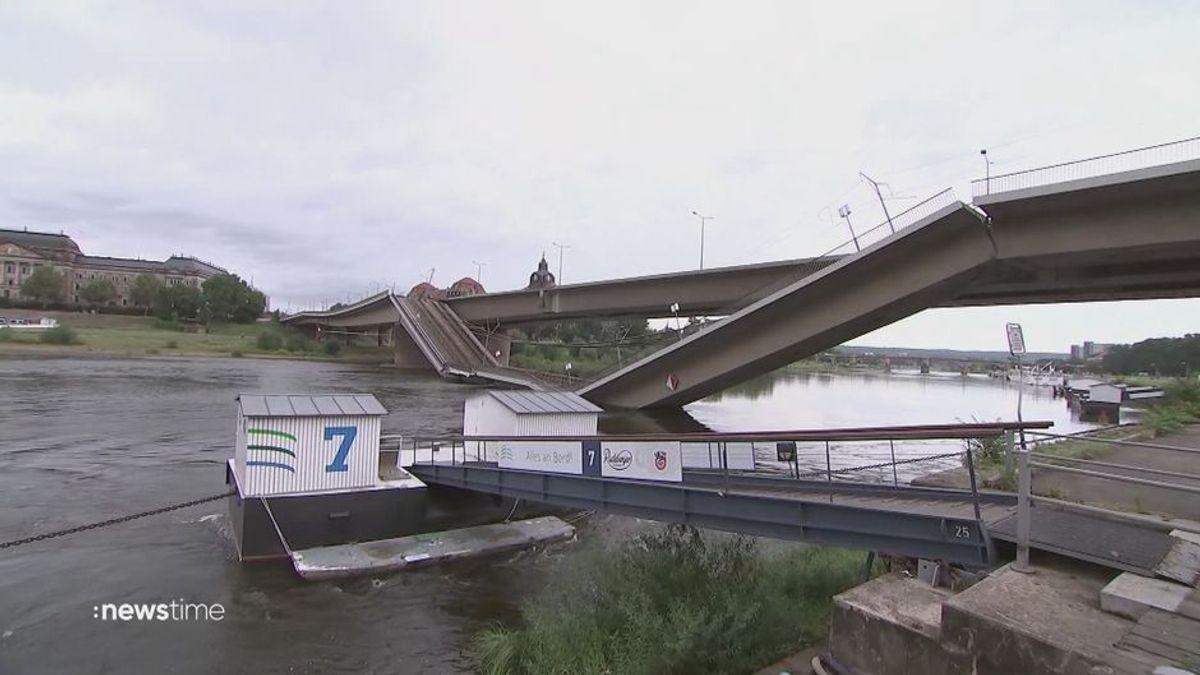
[543, 277]
[425, 289]
[465, 286]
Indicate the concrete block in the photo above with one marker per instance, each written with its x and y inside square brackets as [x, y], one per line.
[1130, 595]
[891, 625]
[1182, 562]
[1047, 622]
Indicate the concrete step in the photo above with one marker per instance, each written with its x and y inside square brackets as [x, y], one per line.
[891, 625]
[1046, 622]
[1132, 595]
[1182, 561]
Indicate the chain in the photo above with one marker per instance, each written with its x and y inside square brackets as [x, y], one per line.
[112, 521]
[883, 465]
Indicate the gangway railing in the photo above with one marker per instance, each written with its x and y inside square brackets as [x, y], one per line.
[847, 487]
[1092, 167]
[1032, 456]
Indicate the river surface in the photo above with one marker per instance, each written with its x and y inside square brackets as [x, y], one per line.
[83, 439]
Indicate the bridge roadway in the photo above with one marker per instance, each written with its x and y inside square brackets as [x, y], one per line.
[917, 522]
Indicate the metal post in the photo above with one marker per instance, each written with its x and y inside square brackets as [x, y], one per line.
[725, 462]
[828, 471]
[895, 478]
[868, 565]
[1023, 512]
[882, 203]
[1009, 442]
[974, 485]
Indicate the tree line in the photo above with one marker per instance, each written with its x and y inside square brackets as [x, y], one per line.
[224, 298]
[1156, 356]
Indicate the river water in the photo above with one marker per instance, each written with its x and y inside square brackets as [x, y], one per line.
[83, 439]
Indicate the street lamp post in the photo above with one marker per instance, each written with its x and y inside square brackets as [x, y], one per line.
[987, 163]
[703, 220]
[844, 212]
[560, 260]
[479, 270]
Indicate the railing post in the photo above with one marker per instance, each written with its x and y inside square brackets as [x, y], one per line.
[725, 462]
[895, 478]
[974, 485]
[1009, 444]
[1024, 489]
[828, 471]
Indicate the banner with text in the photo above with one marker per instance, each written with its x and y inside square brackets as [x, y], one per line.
[549, 456]
[647, 460]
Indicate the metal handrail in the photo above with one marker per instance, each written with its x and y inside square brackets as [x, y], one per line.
[1116, 441]
[908, 432]
[1188, 148]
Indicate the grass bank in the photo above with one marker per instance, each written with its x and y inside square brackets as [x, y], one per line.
[674, 602]
[136, 335]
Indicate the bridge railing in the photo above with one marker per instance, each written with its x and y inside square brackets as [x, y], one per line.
[1030, 455]
[906, 218]
[1117, 162]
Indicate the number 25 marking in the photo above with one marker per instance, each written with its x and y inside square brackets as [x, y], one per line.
[962, 532]
[348, 434]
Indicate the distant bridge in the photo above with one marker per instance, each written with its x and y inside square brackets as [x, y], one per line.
[1040, 236]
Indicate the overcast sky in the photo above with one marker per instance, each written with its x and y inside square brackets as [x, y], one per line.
[326, 150]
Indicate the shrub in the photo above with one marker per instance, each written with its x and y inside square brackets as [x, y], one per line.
[331, 348]
[236, 354]
[7, 335]
[269, 341]
[298, 343]
[59, 335]
[171, 344]
[168, 324]
[673, 603]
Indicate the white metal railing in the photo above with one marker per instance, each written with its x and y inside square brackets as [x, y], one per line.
[1127, 160]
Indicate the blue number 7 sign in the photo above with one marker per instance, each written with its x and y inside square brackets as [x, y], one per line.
[348, 434]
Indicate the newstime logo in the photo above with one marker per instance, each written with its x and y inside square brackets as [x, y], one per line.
[176, 610]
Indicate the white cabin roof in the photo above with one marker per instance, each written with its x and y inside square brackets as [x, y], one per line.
[544, 402]
[302, 405]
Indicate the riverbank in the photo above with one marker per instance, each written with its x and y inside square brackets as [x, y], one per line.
[674, 600]
[133, 336]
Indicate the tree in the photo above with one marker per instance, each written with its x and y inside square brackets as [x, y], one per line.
[228, 298]
[45, 285]
[98, 292]
[177, 302]
[144, 290]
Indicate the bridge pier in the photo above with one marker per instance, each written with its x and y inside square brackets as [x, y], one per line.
[405, 352]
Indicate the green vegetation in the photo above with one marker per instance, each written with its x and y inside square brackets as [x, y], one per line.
[125, 334]
[59, 335]
[331, 348]
[98, 292]
[590, 346]
[228, 299]
[45, 285]
[1180, 406]
[144, 291]
[672, 602]
[1174, 356]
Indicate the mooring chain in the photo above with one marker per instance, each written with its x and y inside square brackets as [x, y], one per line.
[112, 521]
[883, 465]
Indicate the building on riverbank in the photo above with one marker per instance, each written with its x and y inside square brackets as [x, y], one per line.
[22, 251]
